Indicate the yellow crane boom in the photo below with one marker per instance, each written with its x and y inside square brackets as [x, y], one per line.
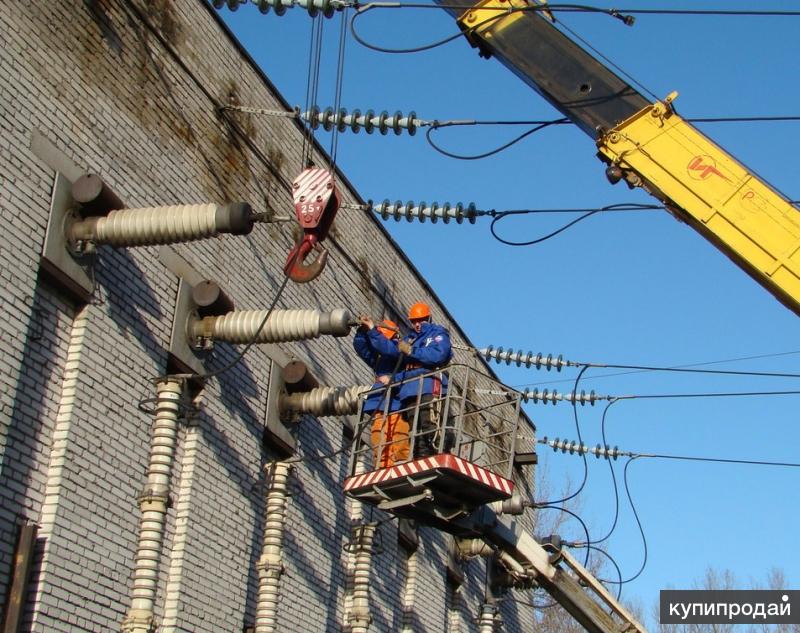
[646, 144]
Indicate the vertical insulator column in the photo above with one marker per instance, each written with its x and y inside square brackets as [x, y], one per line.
[359, 617]
[153, 503]
[488, 617]
[410, 593]
[270, 565]
[454, 616]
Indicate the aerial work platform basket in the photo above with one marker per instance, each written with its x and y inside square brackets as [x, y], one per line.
[437, 472]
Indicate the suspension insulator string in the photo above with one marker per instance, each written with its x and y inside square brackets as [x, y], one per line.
[421, 211]
[572, 447]
[314, 7]
[529, 359]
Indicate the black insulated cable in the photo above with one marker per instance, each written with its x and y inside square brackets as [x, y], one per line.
[502, 11]
[429, 137]
[585, 463]
[501, 215]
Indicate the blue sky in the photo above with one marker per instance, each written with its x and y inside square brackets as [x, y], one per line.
[631, 288]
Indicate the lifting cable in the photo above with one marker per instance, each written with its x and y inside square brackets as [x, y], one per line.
[337, 101]
[312, 85]
[312, 91]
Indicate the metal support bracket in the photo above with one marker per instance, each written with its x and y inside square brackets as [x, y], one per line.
[57, 261]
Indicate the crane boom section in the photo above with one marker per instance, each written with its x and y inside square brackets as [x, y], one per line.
[573, 81]
[646, 143]
[707, 188]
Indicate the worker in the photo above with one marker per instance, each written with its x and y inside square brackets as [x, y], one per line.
[425, 349]
[378, 347]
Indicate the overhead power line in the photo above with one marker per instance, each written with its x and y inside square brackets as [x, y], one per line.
[717, 12]
[521, 358]
[639, 371]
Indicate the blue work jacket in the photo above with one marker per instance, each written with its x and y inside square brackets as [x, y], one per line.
[381, 355]
[430, 349]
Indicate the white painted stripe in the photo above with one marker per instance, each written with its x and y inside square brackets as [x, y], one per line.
[312, 182]
[307, 175]
[386, 474]
[370, 477]
[402, 470]
[412, 467]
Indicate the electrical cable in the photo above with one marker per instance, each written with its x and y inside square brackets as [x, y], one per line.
[503, 11]
[616, 566]
[609, 61]
[575, 516]
[720, 460]
[638, 371]
[251, 342]
[619, 208]
[580, 439]
[728, 394]
[717, 12]
[718, 372]
[741, 119]
[505, 146]
[500, 215]
[613, 479]
[638, 522]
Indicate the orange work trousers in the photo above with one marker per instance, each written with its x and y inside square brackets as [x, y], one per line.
[390, 439]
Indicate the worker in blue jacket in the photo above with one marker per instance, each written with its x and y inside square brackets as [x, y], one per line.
[378, 347]
[425, 349]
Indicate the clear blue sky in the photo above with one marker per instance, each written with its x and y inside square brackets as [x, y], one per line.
[633, 288]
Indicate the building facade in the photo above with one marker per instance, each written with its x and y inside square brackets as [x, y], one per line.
[132, 91]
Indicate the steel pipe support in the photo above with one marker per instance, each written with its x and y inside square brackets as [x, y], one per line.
[162, 225]
[242, 326]
[153, 503]
[324, 401]
[270, 565]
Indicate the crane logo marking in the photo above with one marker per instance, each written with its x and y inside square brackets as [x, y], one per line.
[702, 167]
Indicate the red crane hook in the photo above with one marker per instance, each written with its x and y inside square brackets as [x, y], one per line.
[316, 201]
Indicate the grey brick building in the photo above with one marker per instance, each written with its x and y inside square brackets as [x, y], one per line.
[127, 90]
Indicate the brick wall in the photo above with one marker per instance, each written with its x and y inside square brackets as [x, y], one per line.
[129, 90]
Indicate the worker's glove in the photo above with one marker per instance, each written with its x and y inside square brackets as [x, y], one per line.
[365, 323]
[404, 347]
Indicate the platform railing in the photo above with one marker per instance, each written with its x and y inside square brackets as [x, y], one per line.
[476, 417]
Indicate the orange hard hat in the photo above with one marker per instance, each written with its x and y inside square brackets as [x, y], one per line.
[388, 328]
[419, 311]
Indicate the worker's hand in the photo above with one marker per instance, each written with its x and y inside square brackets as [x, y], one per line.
[404, 347]
[384, 380]
[365, 322]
